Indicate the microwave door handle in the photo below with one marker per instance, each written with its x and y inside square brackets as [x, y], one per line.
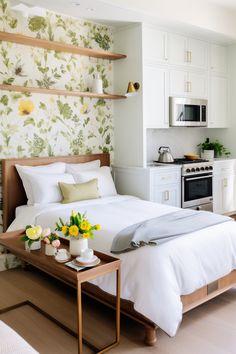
[180, 116]
[195, 178]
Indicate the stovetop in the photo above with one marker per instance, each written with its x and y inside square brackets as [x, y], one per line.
[199, 166]
[181, 161]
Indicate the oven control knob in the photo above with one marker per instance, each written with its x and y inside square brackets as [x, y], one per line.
[197, 169]
[193, 170]
[188, 170]
[210, 168]
[206, 168]
[202, 168]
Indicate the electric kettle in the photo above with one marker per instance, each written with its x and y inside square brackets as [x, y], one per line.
[165, 154]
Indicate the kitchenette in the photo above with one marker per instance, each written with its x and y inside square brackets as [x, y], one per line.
[187, 82]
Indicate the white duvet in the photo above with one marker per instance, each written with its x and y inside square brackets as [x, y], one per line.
[152, 277]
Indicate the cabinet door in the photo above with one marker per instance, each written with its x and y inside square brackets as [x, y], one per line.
[218, 59]
[197, 53]
[154, 45]
[168, 194]
[155, 100]
[197, 85]
[223, 193]
[228, 193]
[177, 49]
[178, 83]
[218, 102]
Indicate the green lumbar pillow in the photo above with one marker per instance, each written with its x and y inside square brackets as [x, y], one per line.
[79, 191]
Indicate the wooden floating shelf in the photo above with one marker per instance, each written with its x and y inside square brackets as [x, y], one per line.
[60, 92]
[57, 46]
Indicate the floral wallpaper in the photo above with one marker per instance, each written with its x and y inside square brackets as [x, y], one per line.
[44, 125]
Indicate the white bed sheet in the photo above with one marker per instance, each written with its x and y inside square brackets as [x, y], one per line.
[152, 277]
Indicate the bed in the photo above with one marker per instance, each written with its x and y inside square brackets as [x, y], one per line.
[146, 270]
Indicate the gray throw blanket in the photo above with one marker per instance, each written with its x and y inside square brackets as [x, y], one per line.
[164, 228]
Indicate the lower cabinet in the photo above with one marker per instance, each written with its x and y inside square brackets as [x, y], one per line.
[157, 184]
[167, 194]
[224, 185]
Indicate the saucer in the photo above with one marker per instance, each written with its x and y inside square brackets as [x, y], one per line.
[92, 263]
[62, 260]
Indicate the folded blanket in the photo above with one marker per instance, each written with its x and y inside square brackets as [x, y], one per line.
[164, 228]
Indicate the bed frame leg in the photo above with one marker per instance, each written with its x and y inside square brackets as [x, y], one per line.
[150, 336]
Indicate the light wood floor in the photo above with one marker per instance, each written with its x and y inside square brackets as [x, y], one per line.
[209, 329]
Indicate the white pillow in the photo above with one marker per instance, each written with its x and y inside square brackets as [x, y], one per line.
[85, 166]
[45, 188]
[106, 185]
[53, 168]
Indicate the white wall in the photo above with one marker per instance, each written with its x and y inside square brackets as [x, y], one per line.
[180, 140]
[129, 131]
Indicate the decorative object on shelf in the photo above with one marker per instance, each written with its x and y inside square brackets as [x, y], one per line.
[79, 229]
[62, 255]
[27, 11]
[32, 237]
[51, 241]
[132, 89]
[211, 149]
[97, 86]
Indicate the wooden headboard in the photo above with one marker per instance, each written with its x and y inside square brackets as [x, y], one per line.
[12, 187]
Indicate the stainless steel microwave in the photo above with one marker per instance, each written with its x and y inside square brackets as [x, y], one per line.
[188, 112]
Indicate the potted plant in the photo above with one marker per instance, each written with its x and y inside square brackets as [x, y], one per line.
[52, 242]
[32, 237]
[79, 229]
[211, 149]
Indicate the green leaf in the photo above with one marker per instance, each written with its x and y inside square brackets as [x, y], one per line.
[29, 121]
[4, 100]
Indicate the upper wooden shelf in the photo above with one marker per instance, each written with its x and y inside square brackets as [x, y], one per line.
[58, 47]
[60, 92]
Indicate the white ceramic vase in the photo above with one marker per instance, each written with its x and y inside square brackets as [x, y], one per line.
[50, 250]
[36, 245]
[77, 245]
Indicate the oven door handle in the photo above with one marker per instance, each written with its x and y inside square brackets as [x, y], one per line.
[195, 178]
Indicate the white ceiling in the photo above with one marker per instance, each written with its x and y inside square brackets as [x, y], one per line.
[215, 18]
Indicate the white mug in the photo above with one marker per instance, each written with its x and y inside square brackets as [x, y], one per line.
[87, 254]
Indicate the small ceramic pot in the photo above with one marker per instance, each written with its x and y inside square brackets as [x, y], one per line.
[50, 250]
[36, 245]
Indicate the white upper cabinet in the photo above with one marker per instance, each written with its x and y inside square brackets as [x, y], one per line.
[187, 51]
[155, 100]
[154, 45]
[218, 102]
[218, 59]
[189, 84]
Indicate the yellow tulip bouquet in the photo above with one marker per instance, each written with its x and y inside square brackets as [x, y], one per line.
[78, 227]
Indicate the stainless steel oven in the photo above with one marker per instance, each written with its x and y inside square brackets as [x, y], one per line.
[197, 190]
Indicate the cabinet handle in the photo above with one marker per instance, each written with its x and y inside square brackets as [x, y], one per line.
[186, 56]
[225, 182]
[166, 196]
[190, 57]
